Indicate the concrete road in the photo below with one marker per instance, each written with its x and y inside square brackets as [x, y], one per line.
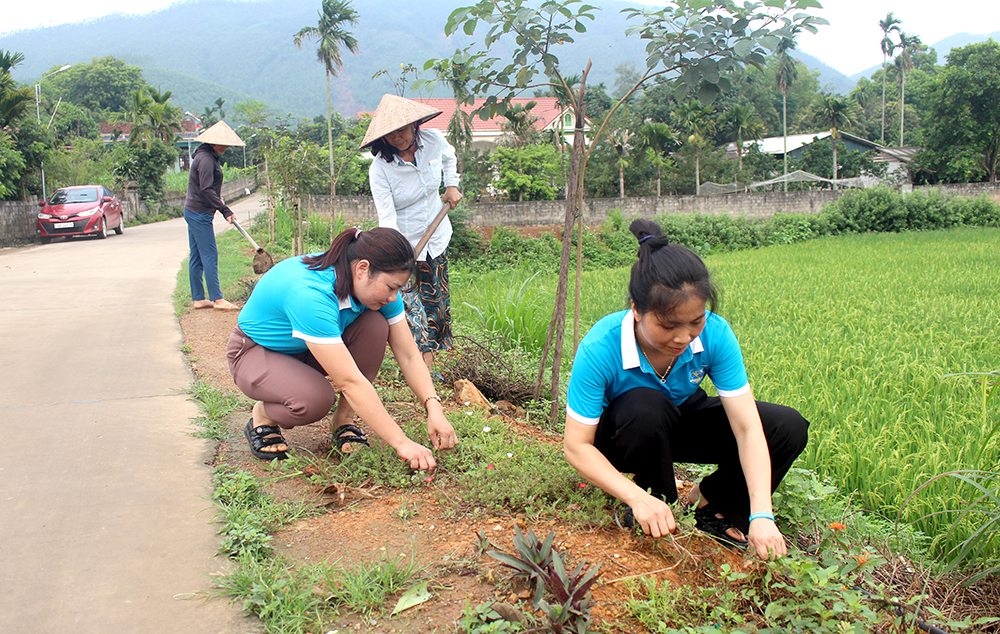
[106, 519]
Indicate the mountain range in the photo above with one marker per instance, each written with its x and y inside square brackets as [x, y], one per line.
[240, 50]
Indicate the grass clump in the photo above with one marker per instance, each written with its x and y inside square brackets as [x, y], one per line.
[216, 406]
[367, 587]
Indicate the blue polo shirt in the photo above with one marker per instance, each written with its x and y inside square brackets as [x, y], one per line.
[608, 364]
[291, 305]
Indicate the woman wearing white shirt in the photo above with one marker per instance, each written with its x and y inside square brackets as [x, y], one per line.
[405, 180]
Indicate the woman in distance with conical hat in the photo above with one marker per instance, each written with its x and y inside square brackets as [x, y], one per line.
[204, 198]
[405, 178]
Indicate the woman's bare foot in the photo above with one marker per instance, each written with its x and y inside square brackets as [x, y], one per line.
[203, 303]
[222, 304]
[260, 419]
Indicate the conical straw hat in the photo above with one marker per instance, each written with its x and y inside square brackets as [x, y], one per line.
[395, 112]
[220, 134]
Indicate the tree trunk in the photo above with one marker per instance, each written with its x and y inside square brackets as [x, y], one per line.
[784, 139]
[834, 186]
[557, 327]
[902, 104]
[621, 180]
[697, 173]
[329, 144]
[883, 99]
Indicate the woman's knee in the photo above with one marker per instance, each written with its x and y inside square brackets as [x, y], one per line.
[643, 413]
[303, 409]
[785, 426]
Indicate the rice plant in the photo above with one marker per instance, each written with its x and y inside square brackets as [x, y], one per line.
[856, 332]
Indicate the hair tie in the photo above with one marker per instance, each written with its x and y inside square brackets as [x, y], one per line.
[646, 237]
[357, 232]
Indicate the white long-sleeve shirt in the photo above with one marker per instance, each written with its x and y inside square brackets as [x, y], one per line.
[407, 195]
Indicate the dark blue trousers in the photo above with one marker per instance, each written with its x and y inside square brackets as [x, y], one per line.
[644, 433]
[204, 255]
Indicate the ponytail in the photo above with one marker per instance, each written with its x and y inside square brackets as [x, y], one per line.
[386, 250]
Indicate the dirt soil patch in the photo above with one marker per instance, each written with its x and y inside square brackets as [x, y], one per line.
[369, 524]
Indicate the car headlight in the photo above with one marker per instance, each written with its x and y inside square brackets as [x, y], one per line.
[43, 216]
[89, 212]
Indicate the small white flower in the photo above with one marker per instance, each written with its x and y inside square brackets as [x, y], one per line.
[468, 413]
[486, 428]
[510, 455]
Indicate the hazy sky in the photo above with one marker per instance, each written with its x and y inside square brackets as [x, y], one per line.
[850, 43]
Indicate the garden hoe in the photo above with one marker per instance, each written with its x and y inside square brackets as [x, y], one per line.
[262, 260]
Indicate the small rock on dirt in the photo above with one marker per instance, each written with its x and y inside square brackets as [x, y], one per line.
[467, 393]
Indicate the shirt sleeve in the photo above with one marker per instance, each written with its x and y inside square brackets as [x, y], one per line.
[313, 318]
[393, 312]
[206, 180]
[449, 164]
[588, 385]
[728, 372]
[382, 195]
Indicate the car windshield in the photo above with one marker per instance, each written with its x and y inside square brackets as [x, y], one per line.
[66, 196]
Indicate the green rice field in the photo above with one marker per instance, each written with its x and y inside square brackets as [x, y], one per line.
[856, 332]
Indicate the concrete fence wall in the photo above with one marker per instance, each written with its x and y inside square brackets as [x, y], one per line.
[759, 205]
[17, 218]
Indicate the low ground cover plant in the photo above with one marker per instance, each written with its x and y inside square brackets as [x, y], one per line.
[854, 330]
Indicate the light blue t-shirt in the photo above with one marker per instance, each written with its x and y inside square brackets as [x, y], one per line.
[608, 364]
[291, 305]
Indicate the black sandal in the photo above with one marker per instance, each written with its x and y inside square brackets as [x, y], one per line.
[718, 527]
[264, 436]
[349, 443]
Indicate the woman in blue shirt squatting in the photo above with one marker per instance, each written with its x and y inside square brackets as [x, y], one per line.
[635, 406]
[330, 315]
[405, 180]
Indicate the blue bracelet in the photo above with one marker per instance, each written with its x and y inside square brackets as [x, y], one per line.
[759, 516]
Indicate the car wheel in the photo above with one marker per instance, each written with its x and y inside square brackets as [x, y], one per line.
[102, 228]
[120, 229]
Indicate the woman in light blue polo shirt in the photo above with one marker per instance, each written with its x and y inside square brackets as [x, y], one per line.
[330, 315]
[635, 406]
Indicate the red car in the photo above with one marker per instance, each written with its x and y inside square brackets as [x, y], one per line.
[88, 210]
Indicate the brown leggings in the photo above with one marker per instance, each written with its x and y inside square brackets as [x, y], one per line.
[293, 387]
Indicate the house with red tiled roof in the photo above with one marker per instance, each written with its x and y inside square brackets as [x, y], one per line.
[485, 134]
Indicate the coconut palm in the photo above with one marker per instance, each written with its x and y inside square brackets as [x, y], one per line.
[889, 25]
[908, 45]
[785, 75]
[835, 113]
[740, 124]
[332, 34]
[654, 139]
[693, 118]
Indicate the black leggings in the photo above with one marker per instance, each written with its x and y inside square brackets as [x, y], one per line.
[644, 433]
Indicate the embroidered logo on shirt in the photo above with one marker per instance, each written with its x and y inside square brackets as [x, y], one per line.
[695, 376]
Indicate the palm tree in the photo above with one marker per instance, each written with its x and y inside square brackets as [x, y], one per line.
[13, 100]
[740, 123]
[519, 131]
[786, 75]
[836, 113]
[693, 119]
[654, 138]
[140, 113]
[908, 45]
[332, 35]
[166, 119]
[621, 139]
[889, 25]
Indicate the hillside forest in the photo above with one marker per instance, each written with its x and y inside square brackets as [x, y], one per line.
[660, 139]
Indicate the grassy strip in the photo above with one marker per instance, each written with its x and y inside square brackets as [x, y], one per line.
[856, 332]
